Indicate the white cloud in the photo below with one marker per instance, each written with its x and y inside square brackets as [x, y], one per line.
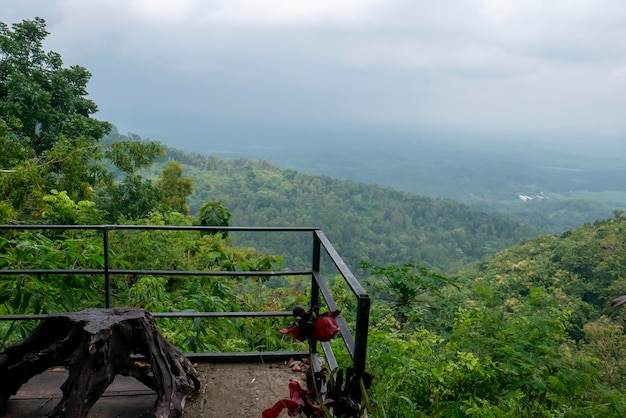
[497, 9]
[476, 63]
[288, 12]
[617, 76]
[163, 10]
[465, 58]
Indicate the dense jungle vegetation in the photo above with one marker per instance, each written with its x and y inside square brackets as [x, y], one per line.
[365, 222]
[520, 331]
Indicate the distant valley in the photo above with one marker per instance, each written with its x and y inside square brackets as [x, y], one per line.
[584, 181]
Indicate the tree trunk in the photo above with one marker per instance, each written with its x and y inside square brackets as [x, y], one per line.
[96, 345]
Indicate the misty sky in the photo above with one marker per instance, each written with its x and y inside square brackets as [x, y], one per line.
[185, 71]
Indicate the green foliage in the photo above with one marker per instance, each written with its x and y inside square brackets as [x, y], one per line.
[524, 332]
[214, 214]
[46, 293]
[553, 215]
[7, 213]
[133, 198]
[13, 150]
[59, 209]
[130, 156]
[46, 129]
[364, 222]
[505, 362]
[404, 287]
[41, 100]
[584, 268]
[522, 335]
[160, 249]
[605, 342]
[488, 176]
[50, 142]
[175, 188]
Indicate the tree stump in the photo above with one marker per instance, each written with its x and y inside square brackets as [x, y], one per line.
[96, 345]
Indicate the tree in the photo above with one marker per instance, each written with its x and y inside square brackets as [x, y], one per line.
[129, 153]
[133, 198]
[50, 142]
[48, 138]
[174, 187]
[40, 99]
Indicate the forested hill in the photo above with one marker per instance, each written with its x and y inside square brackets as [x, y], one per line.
[583, 268]
[365, 222]
[524, 333]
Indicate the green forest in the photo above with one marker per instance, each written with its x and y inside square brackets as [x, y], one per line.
[365, 222]
[474, 313]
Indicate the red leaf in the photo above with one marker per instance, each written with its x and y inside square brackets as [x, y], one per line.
[294, 404]
[295, 331]
[295, 392]
[325, 329]
[292, 407]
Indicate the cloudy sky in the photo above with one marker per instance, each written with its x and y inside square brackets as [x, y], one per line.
[236, 70]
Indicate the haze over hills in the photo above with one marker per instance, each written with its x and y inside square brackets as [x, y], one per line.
[569, 181]
[465, 167]
[367, 222]
[449, 212]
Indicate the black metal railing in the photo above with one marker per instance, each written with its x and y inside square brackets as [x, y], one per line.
[356, 344]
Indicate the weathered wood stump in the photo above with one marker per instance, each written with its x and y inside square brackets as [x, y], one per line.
[96, 345]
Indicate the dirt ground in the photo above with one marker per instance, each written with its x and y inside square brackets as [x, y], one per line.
[240, 390]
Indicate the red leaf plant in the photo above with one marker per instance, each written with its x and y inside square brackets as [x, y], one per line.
[312, 324]
[299, 402]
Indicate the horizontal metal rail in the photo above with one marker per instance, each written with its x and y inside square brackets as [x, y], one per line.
[164, 228]
[177, 314]
[222, 273]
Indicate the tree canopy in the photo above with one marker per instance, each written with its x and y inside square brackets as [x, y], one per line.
[50, 141]
[48, 138]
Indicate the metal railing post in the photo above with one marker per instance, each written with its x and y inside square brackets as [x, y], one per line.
[360, 339]
[107, 267]
[315, 267]
[315, 287]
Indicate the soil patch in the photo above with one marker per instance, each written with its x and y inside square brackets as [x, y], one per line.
[240, 390]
